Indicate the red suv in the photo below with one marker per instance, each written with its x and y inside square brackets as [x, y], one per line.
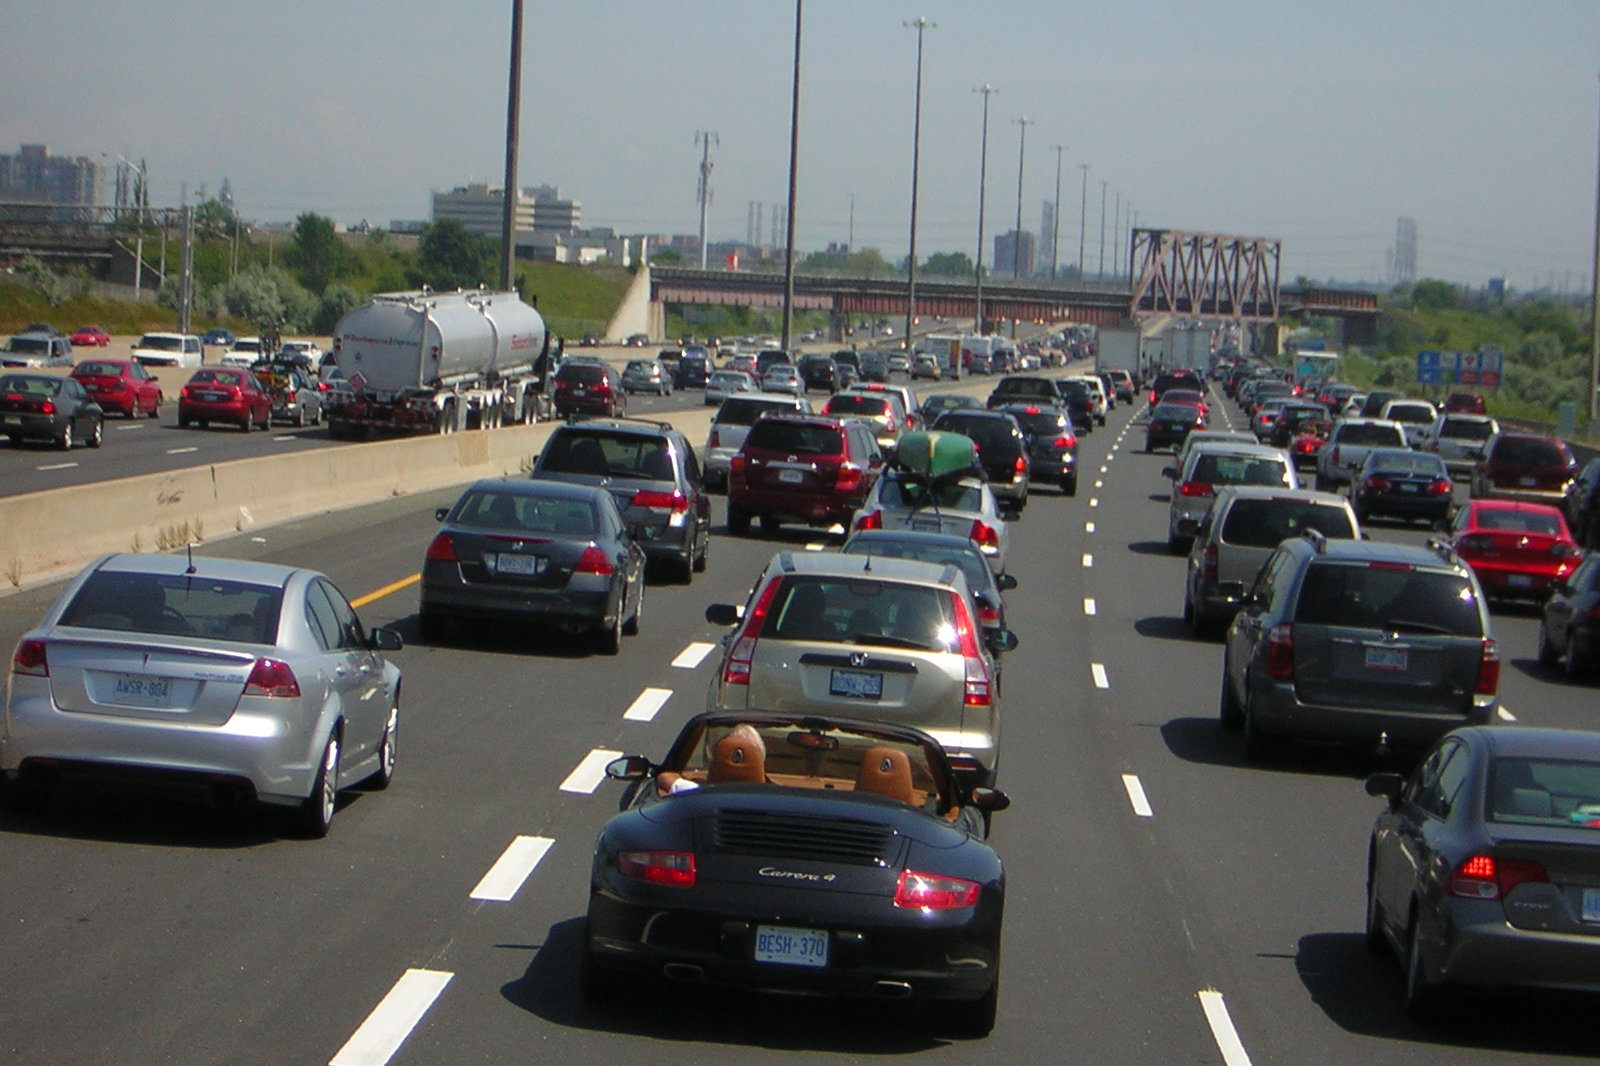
[802, 468]
[1465, 403]
[585, 388]
[1522, 466]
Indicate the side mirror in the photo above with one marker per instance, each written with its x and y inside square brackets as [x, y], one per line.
[439, 513]
[723, 614]
[1010, 514]
[1386, 785]
[1005, 582]
[629, 768]
[1170, 473]
[989, 799]
[382, 639]
[1003, 640]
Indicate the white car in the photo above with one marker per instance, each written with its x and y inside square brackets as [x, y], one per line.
[783, 377]
[1416, 418]
[966, 508]
[246, 351]
[168, 349]
[1460, 440]
[731, 424]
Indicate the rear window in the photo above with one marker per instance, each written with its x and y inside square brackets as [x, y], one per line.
[1545, 523]
[587, 374]
[1213, 469]
[1381, 597]
[972, 564]
[987, 433]
[852, 403]
[1542, 791]
[1367, 433]
[861, 611]
[29, 345]
[97, 370]
[1465, 429]
[1411, 412]
[1397, 462]
[522, 513]
[738, 411]
[795, 438]
[1041, 424]
[1528, 452]
[1266, 523]
[177, 605]
[34, 386]
[904, 492]
[217, 377]
[596, 452]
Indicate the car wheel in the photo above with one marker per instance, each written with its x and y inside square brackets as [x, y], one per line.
[134, 411]
[1147, 448]
[630, 628]
[1323, 484]
[1548, 656]
[155, 412]
[431, 625]
[699, 564]
[388, 749]
[315, 814]
[1423, 997]
[1174, 544]
[1376, 942]
[97, 435]
[971, 1019]
[1258, 747]
[770, 525]
[300, 416]
[1229, 713]
[183, 423]
[1572, 665]
[738, 521]
[608, 638]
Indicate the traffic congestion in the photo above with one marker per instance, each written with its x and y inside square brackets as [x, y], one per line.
[665, 722]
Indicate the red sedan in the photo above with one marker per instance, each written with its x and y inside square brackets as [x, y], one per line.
[90, 337]
[120, 385]
[224, 394]
[1518, 550]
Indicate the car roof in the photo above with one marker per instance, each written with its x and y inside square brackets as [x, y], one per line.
[1272, 492]
[1383, 551]
[1368, 422]
[639, 428]
[866, 567]
[1229, 447]
[911, 536]
[1519, 506]
[1536, 741]
[248, 571]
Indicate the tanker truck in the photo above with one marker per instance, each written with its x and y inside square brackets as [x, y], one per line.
[438, 362]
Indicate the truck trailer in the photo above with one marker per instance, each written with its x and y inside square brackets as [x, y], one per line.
[1117, 348]
[438, 362]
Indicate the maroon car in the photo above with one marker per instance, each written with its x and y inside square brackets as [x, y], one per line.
[1525, 466]
[120, 385]
[801, 468]
[224, 394]
[589, 388]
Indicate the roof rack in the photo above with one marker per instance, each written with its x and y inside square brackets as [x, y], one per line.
[575, 417]
[1444, 550]
[1316, 538]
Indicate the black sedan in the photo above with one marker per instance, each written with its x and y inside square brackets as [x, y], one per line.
[1401, 483]
[1052, 444]
[1484, 869]
[1569, 626]
[1170, 425]
[541, 553]
[42, 407]
[797, 854]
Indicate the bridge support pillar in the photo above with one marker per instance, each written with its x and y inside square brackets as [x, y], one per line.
[838, 327]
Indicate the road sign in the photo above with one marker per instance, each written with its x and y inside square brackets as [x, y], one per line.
[1428, 367]
[1491, 365]
[1467, 371]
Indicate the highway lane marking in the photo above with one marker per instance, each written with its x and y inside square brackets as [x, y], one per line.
[182, 451]
[1088, 527]
[1100, 484]
[1088, 605]
[1094, 501]
[1102, 470]
[816, 547]
[1098, 670]
[282, 437]
[648, 704]
[588, 774]
[1088, 560]
[506, 876]
[1505, 715]
[379, 594]
[392, 1020]
[693, 655]
[129, 429]
[1222, 1030]
[56, 466]
[1136, 796]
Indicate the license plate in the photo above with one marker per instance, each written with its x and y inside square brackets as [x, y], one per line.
[1386, 658]
[1528, 482]
[856, 684]
[1591, 904]
[519, 564]
[580, 392]
[791, 477]
[786, 946]
[209, 397]
[926, 525]
[1408, 488]
[13, 420]
[1519, 581]
[146, 691]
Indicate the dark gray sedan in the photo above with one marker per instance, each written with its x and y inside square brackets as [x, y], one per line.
[1484, 869]
[543, 553]
[43, 407]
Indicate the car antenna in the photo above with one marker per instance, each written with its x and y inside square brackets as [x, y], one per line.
[189, 547]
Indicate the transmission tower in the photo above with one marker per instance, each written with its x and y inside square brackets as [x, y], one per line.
[704, 138]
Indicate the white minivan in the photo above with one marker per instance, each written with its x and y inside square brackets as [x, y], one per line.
[168, 349]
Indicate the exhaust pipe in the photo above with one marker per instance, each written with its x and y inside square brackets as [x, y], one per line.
[683, 971]
[891, 989]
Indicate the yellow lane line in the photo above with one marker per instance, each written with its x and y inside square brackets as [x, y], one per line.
[405, 582]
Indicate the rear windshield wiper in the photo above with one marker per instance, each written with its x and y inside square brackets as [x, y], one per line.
[888, 641]
[1406, 625]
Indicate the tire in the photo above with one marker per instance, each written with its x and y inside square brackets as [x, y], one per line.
[64, 439]
[388, 750]
[738, 521]
[183, 423]
[971, 1019]
[1229, 712]
[1548, 656]
[1258, 747]
[431, 625]
[1423, 998]
[1377, 943]
[1174, 544]
[608, 639]
[630, 628]
[300, 416]
[1069, 485]
[134, 410]
[155, 412]
[1323, 484]
[249, 423]
[97, 436]
[1572, 666]
[203, 423]
[698, 566]
[1147, 448]
[770, 525]
[596, 983]
[314, 816]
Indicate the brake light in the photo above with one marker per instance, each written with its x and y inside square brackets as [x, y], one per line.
[1378, 483]
[716, 440]
[672, 501]
[673, 868]
[848, 477]
[976, 683]
[1208, 562]
[888, 422]
[1020, 465]
[594, 561]
[1030, 410]
[30, 659]
[870, 520]
[736, 463]
[931, 892]
[272, 677]
[1483, 876]
[737, 670]
[1280, 652]
[1196, 488]
[1438, 487]
[1488, 669]
[986, 536]
[1068, 441]
[48, 407]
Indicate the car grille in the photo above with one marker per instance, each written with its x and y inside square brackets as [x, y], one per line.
[802, 837]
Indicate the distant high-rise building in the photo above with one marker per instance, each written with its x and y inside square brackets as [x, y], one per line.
[35, 176]
[1403, 268]
[480, 208]
[1013, 253]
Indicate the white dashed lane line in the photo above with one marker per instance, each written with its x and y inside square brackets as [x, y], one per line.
[1088, 605]
[56, 466]
[1505, 715]
[1098, 670]
[392, 1020]
[1222, 1030]
[1088, 527]
[1136, 796]
[1088, 560]
[130, 429]
[693, 655]
[648, 705]
[506, 876]
[1094, 501]
[588, 774]
[181, 451]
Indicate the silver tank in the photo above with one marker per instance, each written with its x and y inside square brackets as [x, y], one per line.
[405, 341]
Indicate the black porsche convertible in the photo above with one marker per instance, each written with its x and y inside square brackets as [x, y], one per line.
[798, 854]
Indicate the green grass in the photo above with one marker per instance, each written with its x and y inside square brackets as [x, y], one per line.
[20, 305]
[573, 299]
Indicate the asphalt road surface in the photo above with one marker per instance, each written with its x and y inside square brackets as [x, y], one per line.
[1168, 904]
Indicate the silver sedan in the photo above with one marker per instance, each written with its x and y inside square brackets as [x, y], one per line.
[243, 681]
[965, 508]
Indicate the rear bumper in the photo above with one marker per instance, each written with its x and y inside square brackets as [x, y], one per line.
[1481, 949]
[1279, 711]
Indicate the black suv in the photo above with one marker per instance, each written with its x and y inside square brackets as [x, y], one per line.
[651, 471]
[820, 372]
[1016, 388]
[692, 372]
[1367, 642]
[1001, 450]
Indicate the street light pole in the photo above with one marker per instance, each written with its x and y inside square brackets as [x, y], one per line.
[919, 24]
[983, 174]
[1022, 125]
[1102, 271]
[1055, 216]
[1083, 207]
[508, 212]
[794, 158]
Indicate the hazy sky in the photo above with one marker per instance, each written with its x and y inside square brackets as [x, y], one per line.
[1319, 124]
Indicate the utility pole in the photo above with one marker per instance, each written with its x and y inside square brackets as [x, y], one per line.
[1083, 207]
[850, 241]
[983, 175]
[1055, 216]
[1102, 271]
[794, 162]
[1116, 224]
[186, 279]
[508, 209]
[919, 24]
[1594, 310]
[1022, 125]
[706, 139]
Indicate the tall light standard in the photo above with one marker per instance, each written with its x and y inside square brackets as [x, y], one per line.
[1102, 271]
[1022, 125]
[983, 174]
[141, 200]
[794, 156]
[1055, 215]
[1083, 207]
[918, 24]
[508, 208]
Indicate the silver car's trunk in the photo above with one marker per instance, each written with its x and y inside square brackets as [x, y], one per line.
[148, 679]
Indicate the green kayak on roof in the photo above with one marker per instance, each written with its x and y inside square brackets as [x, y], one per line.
[935, 454]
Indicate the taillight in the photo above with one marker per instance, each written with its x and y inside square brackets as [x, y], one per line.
[737, 670]
[184, 391]
[671, 501]
[1196, 488]
[986, 536]
[29, 658]
[1208, 562]
[1280, 652]
[737, 463]
[1438, 487]
[716, 440]
[673, 868]
[1020, 465]
[1488, 669]
[1483, 876]
[931, 892]
[1065, 442]
[889, 423]
[238, 393]
[594, 561]
[976, 682]
[1378, 483]
[989, 616]
[1335, 456]
[848, 477]
[48, 407]
[442, 549]
[272, 677]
